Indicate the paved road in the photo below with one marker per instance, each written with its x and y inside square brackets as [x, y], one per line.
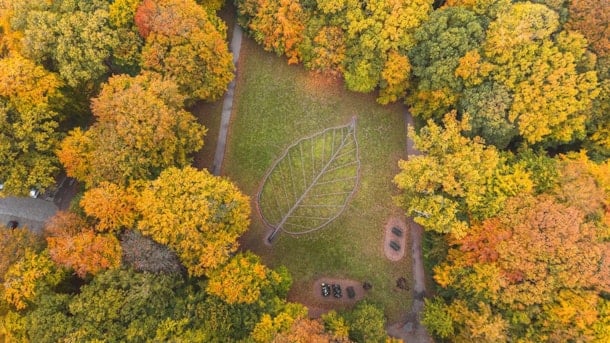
[28, 212]
[227, 104]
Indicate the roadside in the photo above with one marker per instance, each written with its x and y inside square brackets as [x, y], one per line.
[209, 114]
[412, 330]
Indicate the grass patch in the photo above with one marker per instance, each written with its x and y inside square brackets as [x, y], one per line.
[275, 106]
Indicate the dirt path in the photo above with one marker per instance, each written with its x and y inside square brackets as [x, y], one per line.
[227, 104]
[391, 254]
[412, 330]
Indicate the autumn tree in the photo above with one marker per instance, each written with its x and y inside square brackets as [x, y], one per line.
[13, 245]
[378, 36]
[113, 207]
[591, 18]
[242, 280]
[522, 273]
[278, 25]
[187, 44]
[25, 278]
[29, 97]
[269, 327]
[441, 41]
[197, 215]
[73, 244]
[456, 178]
[549, 77]
[141, 128]
[366, 42]
[73, 38]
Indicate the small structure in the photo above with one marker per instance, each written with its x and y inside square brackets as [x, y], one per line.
[397, 231]
[401, 283]
[337, 291]
[394, 245]
[350, 292]
[325, 289]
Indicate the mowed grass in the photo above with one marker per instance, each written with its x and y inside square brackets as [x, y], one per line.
[275, 106]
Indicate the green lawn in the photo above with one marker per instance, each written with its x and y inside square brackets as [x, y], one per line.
[276, 105]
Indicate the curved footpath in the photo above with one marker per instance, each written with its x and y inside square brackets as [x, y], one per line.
[411, 330]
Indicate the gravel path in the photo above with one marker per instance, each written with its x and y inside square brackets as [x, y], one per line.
[227, 104]
[411, 330]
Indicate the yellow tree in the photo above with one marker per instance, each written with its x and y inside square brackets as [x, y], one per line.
[242, 280]
[455, 178]
[29, 96]
[186, 43]
[14, 243]
[23, 280]
[552, 82]
[199, 216]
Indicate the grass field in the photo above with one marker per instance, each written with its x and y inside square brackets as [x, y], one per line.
[276, 105]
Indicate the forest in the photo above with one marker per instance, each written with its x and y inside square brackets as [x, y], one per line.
[511, 101]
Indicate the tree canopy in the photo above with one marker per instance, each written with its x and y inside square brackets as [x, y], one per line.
[29, 121]
[141, 129]
[186, 43]
[197, 215]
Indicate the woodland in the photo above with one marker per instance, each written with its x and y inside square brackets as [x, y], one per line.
[512, 107]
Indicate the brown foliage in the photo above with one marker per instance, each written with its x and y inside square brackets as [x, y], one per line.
[144, 254]
[591, 18]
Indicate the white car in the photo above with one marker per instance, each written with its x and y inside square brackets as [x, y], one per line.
[34, 193]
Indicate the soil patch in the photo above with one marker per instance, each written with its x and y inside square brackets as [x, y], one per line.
[398, 239]
[323, 304]
[323, 85]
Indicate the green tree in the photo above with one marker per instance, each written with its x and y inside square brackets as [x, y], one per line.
[366, 323]
[440, 43]
[487, 106]
[197, 215]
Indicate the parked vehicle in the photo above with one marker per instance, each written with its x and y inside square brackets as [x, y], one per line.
[325, 289]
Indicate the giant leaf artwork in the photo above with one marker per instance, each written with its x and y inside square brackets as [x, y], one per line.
[311, 183]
